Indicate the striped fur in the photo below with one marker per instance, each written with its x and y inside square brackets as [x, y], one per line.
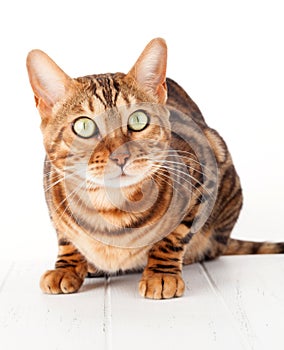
[152, 221]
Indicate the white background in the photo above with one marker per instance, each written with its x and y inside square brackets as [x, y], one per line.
[228, 55]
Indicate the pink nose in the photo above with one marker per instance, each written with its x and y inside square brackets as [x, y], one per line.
[120, 158]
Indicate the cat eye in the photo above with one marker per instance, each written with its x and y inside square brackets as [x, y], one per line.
[138, 121]
[84, 127]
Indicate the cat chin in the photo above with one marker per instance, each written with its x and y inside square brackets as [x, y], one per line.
[117, 182]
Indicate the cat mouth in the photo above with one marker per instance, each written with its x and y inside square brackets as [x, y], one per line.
[119, 177]
[116, 181]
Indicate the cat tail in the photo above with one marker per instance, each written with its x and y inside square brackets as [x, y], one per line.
[239, 247]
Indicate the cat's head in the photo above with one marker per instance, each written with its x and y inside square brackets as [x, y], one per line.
[117, 124]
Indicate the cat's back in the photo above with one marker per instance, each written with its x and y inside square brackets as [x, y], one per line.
[179, 100]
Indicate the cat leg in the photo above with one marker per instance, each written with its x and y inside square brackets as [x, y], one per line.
[69, 273]
[162, 278]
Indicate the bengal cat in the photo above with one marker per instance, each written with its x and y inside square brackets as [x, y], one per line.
[134, 178]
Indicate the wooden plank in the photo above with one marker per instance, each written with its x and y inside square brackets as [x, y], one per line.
[32, 320]
[198, 320]
[253, 290]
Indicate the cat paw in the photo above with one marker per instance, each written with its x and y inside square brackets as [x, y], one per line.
[161, 286]
[60, 281]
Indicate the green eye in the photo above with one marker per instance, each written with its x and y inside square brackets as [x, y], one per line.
[138, 121]
[84, 127]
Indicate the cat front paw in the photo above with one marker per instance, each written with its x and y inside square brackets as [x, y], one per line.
[161, 286]
[60, 281]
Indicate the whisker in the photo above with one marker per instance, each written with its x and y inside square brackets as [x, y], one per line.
[161, 176]
[172, 153]
[194, 179]
[171, 171]
[54, 184]
[168, 176]
[48, 173]
[178, 163]
[165, 160]
[88, 186]
[189, 182]
[64, 177]
[68, 197]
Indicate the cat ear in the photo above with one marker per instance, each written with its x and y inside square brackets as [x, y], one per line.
[49, 83]
[149, 70]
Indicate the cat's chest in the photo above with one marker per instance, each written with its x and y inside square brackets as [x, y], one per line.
[110, 257]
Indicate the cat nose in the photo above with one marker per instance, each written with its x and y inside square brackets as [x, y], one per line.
[120, 158]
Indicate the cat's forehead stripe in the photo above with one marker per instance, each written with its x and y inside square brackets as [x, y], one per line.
[106, 90]
[91, 105]
[99, 95]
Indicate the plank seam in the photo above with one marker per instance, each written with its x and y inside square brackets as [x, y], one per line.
[10, 269]
[107, 326]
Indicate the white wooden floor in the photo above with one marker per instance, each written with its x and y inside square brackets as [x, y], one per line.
[230, 303]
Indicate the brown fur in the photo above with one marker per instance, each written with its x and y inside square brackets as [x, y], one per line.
[104, 230]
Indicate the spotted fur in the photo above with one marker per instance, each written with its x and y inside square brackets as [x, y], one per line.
[135, 226]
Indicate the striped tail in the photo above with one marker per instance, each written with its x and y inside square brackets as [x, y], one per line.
[238, 247]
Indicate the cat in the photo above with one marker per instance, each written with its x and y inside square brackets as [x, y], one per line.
[134, 178]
